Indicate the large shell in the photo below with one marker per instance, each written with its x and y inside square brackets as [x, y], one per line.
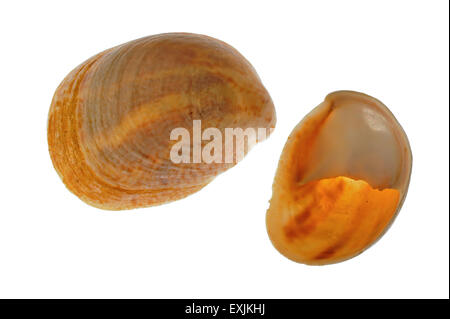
[342, 178]
[110, 119]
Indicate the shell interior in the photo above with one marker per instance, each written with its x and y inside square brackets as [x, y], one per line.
[341, 179]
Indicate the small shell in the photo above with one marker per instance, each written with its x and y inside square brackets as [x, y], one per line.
[110, 119]
[342, 178]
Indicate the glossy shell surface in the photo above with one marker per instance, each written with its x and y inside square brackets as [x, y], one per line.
[341, 180]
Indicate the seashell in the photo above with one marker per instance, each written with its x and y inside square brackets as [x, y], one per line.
[341, 180]
[111, 118]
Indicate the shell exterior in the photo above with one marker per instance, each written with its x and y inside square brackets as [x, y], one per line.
[341, 179]
[110, 119]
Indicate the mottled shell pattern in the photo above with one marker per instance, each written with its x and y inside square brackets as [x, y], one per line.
[341, 180]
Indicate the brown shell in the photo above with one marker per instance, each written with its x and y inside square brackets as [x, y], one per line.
[110, 119]
[341, 179]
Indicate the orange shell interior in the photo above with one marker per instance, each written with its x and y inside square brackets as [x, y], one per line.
[331, 218]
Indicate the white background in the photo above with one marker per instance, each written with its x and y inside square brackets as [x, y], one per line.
[214, 243]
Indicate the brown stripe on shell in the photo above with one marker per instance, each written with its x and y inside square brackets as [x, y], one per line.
[110, 119]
